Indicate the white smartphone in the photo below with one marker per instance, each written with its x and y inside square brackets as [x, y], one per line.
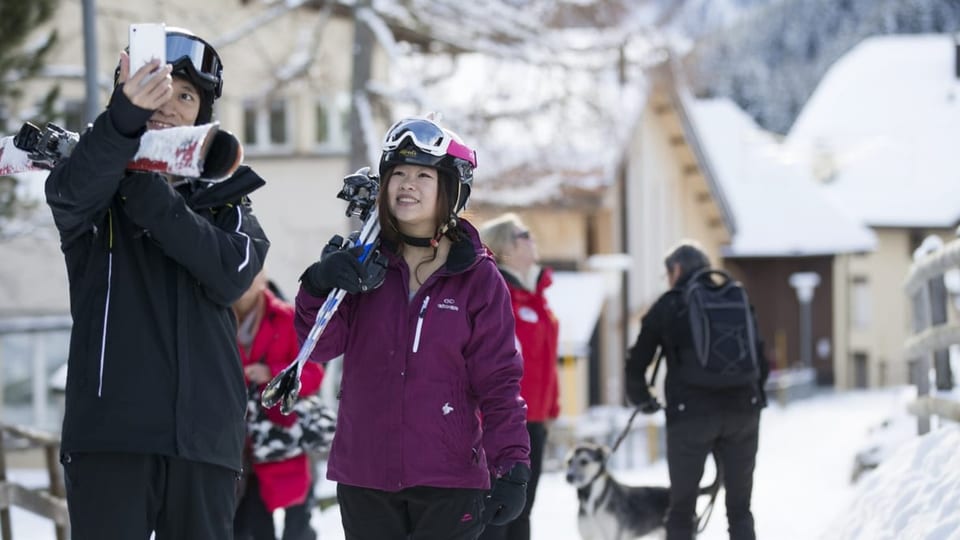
[147, 41]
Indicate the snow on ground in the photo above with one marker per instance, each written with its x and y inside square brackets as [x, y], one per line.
[916, 494]
[802, 482]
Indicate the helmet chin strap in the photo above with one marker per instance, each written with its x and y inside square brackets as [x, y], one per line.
[416, 241]
[434, 242]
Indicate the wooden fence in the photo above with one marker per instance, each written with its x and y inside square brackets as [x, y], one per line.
[49, 502]
[933, 332]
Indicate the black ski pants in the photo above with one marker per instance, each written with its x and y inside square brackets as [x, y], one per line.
[127, 496]
[417, 513]
[519, 529]
[690, 440]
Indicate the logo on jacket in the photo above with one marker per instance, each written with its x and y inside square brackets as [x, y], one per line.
[447, 409]
[527, 314]
[448, 304]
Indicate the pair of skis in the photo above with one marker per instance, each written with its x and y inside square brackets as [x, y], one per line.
[360, 190]
[203, 151]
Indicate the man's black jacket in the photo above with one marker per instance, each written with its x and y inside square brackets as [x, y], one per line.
[665, 325]
[153, 364]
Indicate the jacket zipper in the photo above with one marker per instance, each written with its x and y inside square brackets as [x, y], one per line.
[106, 307]
[416, 337]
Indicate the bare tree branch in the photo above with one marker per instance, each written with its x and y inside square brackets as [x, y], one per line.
[258, 21]
[301, 58]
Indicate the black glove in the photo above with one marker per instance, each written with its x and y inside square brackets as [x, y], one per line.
[507, 496]
[650, 405]
[341, 268]
[637, 389]
[337, 268]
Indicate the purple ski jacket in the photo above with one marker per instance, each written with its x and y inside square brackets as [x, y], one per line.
[430, 392]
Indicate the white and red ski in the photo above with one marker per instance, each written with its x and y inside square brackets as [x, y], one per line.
[203, 151]
[13, 160]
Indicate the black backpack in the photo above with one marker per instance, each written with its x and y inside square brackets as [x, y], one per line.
[723, 331]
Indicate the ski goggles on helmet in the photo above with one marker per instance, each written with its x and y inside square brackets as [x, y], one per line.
[428, 138]
[198, 58]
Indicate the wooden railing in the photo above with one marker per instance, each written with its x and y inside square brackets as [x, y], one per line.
[933, 332]
[48, 502]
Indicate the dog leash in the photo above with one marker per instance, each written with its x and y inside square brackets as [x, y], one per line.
[703, 518]
[623, 434]
[707, 512]
[636, 410]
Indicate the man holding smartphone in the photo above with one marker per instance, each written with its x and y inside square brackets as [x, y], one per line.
[153, 426]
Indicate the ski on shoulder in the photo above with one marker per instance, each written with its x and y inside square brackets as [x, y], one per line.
[360, 190]
[203, 151]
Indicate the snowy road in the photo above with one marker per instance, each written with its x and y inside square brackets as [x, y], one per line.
[801, 482]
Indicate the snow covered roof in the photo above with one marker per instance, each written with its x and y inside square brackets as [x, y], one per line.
[576, 298]
[778, 207]
[886, 120]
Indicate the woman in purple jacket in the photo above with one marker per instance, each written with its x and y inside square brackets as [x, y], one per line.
[430, 408]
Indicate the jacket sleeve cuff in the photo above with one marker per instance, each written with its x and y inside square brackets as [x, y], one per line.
[518, 472]
[128, 119]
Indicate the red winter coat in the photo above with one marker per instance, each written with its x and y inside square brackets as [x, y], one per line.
[537, 332]
[282, 483]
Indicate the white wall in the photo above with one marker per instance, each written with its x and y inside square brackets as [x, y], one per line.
[299, 211]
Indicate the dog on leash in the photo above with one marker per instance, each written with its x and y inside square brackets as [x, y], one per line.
[610, 510]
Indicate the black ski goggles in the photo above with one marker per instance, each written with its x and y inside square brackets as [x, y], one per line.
[186, 52]
[429, 138]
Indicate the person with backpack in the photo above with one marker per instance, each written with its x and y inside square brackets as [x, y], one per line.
[705, 328]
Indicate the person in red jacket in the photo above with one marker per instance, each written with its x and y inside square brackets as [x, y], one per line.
[268, 343]
[537, 331]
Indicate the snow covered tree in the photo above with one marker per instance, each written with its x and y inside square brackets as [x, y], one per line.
[21, 60]
[769, 55]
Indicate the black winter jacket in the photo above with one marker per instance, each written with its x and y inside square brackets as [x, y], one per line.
[153, 271]
[665, 325]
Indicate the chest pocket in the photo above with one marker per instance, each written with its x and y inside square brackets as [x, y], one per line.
[440, 337]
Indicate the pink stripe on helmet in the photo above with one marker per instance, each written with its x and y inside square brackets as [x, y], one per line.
[461, 151]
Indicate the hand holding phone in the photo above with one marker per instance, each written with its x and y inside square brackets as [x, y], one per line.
[147, 41]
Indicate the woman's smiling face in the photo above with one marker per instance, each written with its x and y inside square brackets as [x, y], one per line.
[413, 191]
